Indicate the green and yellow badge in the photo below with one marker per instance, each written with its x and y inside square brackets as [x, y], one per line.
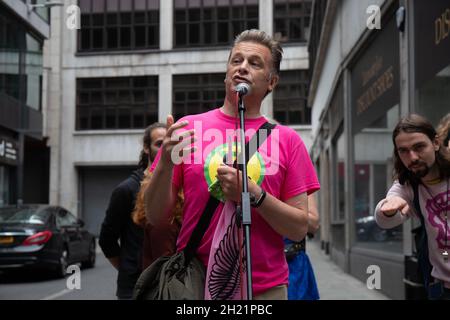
[255, 169]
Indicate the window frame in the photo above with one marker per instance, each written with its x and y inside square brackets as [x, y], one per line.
[109, 100]
[215, 21]
[292, 81]
[202, 85]
[151, 22]
[288, 19]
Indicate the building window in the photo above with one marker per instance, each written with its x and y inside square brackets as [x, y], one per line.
[433, 96]
[197, 93]
[9, 85]
[11, 32]
[212, 22]
[20, 64]
[290, 96]
[292, 20]
[43, 12]
[337, 173]
[118, 25]
[116, 103]
[372, 179]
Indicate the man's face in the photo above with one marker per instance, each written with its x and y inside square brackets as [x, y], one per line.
[251, 63]
[417, 152]
[157, 135]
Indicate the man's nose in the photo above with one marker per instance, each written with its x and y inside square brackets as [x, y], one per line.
[243, 67]
[413, 155]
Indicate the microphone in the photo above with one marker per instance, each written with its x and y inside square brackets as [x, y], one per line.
[243, 89]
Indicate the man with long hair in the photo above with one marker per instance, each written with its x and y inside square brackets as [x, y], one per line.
[120, 239]
[420, 162]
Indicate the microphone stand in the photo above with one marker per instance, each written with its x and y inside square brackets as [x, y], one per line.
[245, 198]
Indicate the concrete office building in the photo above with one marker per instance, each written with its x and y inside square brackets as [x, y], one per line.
[134, 62]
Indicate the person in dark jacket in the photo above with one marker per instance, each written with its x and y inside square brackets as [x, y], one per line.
[121, 239]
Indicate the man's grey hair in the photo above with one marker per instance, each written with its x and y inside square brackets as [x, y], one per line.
[260, 37]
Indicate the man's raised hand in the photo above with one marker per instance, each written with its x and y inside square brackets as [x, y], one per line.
[394, 204]
[177, 144]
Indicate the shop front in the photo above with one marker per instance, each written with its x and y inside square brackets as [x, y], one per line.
[375, 110]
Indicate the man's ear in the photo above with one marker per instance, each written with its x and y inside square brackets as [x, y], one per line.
[436, 143]
[146, 150]
[273, 81]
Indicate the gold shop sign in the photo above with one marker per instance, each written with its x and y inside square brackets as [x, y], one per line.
[377, 89]
[431, 39]
[375, 86]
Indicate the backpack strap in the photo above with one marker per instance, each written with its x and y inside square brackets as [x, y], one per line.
[212, 204]
[257, 140]
[421, 241]
[416, 203]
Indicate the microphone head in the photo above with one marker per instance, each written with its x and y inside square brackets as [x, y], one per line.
[243, 88]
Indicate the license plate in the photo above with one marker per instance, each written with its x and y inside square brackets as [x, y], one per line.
[6, 240]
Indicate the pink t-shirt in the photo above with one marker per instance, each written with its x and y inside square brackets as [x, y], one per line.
[281, 166]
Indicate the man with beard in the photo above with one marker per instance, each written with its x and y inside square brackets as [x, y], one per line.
[420, 163]
[120, 239]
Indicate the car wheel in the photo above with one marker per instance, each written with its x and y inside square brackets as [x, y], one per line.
[90, 262]
[61, 269]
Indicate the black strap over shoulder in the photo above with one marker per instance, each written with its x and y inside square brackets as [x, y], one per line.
[256, 141]
[260, 136]
[416, 203]
[421, 240]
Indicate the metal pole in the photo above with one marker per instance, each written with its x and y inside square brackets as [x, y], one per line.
[245, 199]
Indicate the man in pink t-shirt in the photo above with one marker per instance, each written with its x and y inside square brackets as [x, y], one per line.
[281, 168]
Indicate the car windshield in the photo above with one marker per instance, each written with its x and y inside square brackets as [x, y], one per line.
[32, 215]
